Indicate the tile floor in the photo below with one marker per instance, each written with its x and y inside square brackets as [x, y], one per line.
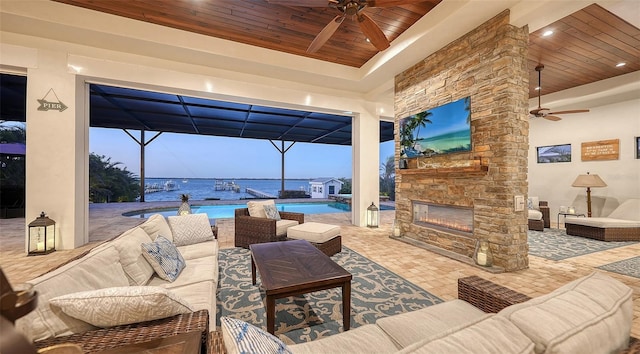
[433, 272]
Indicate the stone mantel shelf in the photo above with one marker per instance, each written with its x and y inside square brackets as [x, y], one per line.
[462, 171]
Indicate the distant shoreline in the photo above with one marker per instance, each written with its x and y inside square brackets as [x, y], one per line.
[244, 178]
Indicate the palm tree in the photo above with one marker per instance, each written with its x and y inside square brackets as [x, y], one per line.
[467, 107]
[388, 177]
[421, 120]
[108, 182]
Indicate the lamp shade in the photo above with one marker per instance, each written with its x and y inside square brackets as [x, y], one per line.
[588, 180]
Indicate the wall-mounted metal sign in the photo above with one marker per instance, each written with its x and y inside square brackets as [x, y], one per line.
[53, 105]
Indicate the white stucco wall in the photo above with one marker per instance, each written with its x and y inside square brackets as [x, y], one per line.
[552, 181]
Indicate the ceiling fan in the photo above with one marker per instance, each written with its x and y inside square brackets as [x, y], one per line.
[353, 9]
[544, 112]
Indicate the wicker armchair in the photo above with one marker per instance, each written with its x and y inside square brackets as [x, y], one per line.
[539, 225]
[250, 230]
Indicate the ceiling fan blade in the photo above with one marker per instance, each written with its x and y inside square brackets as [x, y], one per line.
[553, 118]
[306, 3]
[390, 3]
[325, 34]
[571, 111]
[373, 32]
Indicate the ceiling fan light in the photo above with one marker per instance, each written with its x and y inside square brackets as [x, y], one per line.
[538, 88]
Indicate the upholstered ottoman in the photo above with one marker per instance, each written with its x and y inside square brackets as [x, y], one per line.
[324, 237]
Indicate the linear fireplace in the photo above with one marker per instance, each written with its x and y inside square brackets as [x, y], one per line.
[450, 218]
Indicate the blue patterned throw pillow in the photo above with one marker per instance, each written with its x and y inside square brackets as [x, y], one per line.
[164, 257]
[272, 212]
[242, 337]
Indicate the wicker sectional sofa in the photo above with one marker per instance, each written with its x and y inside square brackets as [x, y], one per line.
[622, 224]
[592, 314]
[133, 291]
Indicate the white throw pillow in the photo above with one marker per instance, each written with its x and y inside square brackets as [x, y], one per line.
[156, 225]
[190, 229]
[138, 270]
[256, 208]
[164, 257]
[533, 203]
[242, 337]
[272, 212]
[121, 305]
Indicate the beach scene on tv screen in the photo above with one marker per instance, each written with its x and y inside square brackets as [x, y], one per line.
[442, 130]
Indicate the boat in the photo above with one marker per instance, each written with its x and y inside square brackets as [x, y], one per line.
[221, 185]
[170, 185]
[185, 181]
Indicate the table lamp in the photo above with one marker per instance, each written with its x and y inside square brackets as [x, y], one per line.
[588, 181]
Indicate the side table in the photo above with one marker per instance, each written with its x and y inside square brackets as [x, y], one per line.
[565, 217]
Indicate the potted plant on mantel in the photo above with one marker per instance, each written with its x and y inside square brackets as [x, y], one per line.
[185, 208]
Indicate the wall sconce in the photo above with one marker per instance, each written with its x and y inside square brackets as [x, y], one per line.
[42, 236]
[483, 255]
[588, 181]
[372, 215]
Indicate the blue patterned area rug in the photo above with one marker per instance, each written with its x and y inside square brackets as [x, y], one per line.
[630, 267]
[555, 244]
[376, 292]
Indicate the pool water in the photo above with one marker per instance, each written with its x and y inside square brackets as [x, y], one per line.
[228, 210]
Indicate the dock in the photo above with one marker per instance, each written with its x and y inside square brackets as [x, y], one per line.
[260, 194]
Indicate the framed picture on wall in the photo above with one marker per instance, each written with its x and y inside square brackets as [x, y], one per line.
[554, 153]
[637, 147]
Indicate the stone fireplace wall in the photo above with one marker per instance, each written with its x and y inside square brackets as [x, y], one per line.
[489, 65]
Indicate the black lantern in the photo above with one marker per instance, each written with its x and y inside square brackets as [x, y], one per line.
[372, 215]
[42, 236]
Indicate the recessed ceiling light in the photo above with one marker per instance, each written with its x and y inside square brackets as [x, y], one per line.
[620, 65]
[547, 33]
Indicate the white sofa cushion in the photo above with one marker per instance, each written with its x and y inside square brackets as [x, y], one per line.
[429, 322]
[99, 269]
[362, 340]
[135, 266]
[489, 335]
[196, 270]
[283, 225]
[156, 225]
[121, 305]
[199, 250]
[256, 207]
[164, 257]
[628, 210]
[592, 314]
[534, 214]
[603, 222]
[242, 337]
[313, 232]
[190, 229]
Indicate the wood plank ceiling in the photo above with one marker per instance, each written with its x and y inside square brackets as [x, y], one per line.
[585, 46]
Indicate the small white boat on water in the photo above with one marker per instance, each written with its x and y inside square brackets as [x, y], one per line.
[170, 185]
[221, 185]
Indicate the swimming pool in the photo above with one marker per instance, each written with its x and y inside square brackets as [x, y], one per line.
[227, 210]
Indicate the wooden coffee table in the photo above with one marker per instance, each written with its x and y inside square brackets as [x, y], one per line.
[296, 267]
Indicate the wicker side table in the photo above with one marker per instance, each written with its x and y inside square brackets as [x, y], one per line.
[486, 295]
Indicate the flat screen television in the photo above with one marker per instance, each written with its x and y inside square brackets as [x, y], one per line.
[442, 130]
